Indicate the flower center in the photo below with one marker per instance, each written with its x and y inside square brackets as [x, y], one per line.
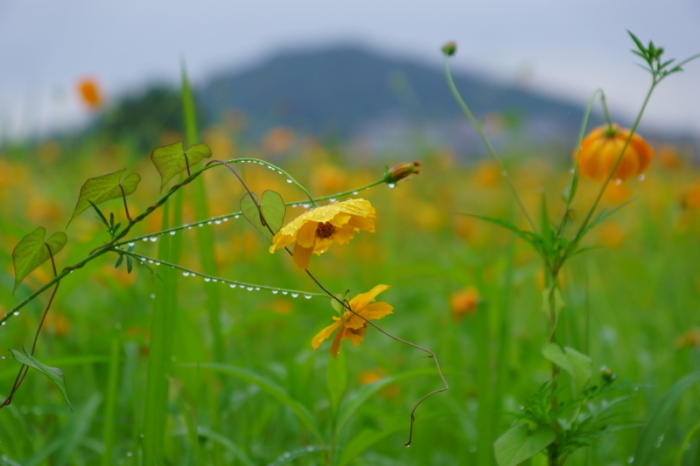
[324, 230]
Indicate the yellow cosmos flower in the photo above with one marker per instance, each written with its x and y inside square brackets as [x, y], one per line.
[352, 326]
[600, 149]
[315, 230]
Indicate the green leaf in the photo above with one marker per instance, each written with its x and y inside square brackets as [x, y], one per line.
[558, 301]
[658, 421]
[520, 443]
[119, 261]
[99, 213]
[271, 389]
[337, 306]
[528, 236]
[54, 374]
[129, 264]
[546, 231]
[578, 365]
[369, 437]
[336, 379]
[640, 46]
[104, 188]
[32, 251]
[172, 159]
[272, 210]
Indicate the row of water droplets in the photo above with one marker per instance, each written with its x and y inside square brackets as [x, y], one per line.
[143, 260]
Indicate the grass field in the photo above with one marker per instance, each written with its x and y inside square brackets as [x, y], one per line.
[163, 368]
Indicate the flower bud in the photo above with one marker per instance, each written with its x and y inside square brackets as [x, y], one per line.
[401, 171]
[449, 48]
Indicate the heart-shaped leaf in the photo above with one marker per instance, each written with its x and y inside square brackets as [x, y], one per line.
[54, 374]
[272, 209]
[172, 159]
[32, 251]
[103, 188]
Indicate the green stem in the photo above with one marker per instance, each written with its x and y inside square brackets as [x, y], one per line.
[224, 218]
[492, 151]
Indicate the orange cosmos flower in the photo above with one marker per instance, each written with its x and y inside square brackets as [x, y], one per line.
[464, 302]
[90, 93]
[601, 148]
[352, 326]
[315, 230]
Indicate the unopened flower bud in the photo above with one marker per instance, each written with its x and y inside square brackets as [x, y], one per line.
[449, 48]
[401, 171]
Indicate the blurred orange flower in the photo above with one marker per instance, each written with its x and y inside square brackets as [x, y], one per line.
[315, 230]
[689, 339]
[90, 93]
[601, 148]
[353, 325]
[464, 302]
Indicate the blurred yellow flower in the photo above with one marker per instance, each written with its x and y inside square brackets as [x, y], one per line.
[353, 325]
[315, 230]
[464, 302]
[600, 149]
[90, 93]
[689, 339]
[691, 198]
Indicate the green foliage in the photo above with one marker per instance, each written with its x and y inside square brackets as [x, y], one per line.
[520, 443]
[269, 217]
[578, 365]
[104, 188]
[172, 159]
[659, 419]
[32, 251]
[54, 374]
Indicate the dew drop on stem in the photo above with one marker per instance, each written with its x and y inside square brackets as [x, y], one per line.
[355, 193]
[131, 245]
[153, 239]
[207, 279]
[232, 285]
[391, 185]
[307, 296]
[185, 274]
[295, 295]
[249, 288]
[289, 181]
[275, 291]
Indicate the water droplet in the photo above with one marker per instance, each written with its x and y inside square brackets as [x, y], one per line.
[275, 291]
[185, 274]
[618, 181]
[285, 292]
[207, 279]
[307, 296]
[391, 185]
[279, 172]
[209, 223]
[257, 288]
[153, 296]
[232, 285]
[408, 445]
[157, 264]
[153, 239]
[332, 200]
[642, 177]
[295, 295]
[145, 239]
[289, 181]
[249, 288]
[173, 232]
[200, 225]
[306, 206]
[236, 216]
[293, 205]
[131, 245]
[16, 313]
[189, 227]
[4, 323]
[214, 280]
[150, 261]
[355, 193]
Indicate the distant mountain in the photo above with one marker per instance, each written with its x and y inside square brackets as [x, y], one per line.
[352, 91]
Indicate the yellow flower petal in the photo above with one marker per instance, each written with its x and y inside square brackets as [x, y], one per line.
[335, 346]
[302, 256]
[361, 301]
[307, 235]
[324, 334]
[376, 311]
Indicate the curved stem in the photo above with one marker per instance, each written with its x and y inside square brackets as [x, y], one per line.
[492, 151]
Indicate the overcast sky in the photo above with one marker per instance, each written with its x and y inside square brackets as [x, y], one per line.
[565, 47]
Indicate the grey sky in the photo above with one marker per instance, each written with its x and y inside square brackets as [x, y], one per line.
[568, 47]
